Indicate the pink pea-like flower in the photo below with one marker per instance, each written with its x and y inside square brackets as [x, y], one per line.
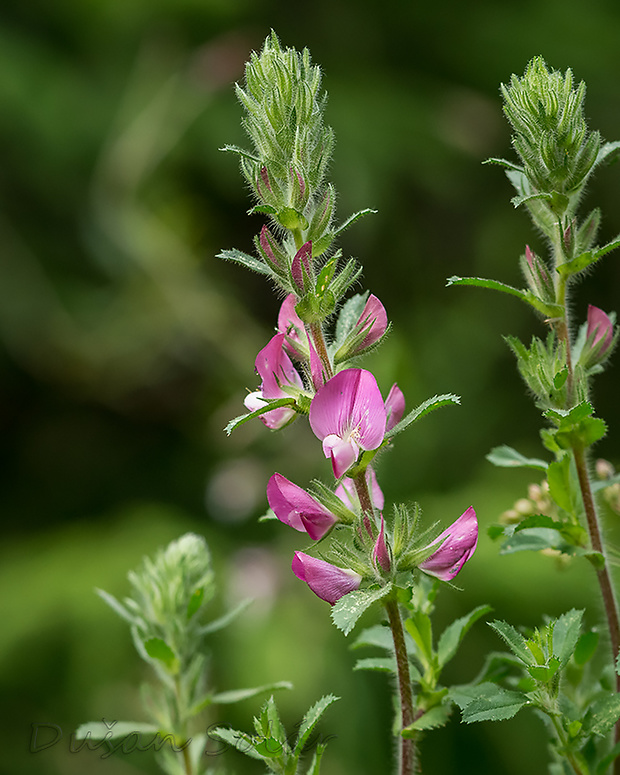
[297, 508]
[380, 552]
[348, 415]
[457, 544]
[394, 407]
[600, 330]
[373, 320]
[327, 581]
[279, 380]
[291, 324]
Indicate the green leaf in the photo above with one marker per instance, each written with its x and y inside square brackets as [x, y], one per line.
[544, 673]
[600, 252]
[515, 641]
[241, 152]
[239, 740]
[379, 636]
[436, 717]
[292, 219]
[436, 402]
[100, 730]
[504, 163]
[249, 262]
[607, 152]
[601, 716]
[560, 487]
[586, 646]
[314, 768]
[507, 457]
[481, 282]
[268, 747]
[351, 219]
[420, 628]
[262, 209]
[533, 540]
[495, 704]
[381, 664]
[566, 632]
[195, 601]
[349, 608]
[452, 637]
[311, 719]
[269, 405]
[115, 605]
[158, 649]
[238, 695]
[227, 618]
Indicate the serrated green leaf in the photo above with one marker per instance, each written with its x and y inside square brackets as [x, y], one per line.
[249, 262]
[602, 715]
[428, 406]
[566, 632]
[514, 640]
[437, 716]
[504, 163]
[349, 608]
[379, 635]
[507, 457]
[239, 740]
[544, 673]
[498, 704]
[311, 719]
[452, 637]
[351, 219]
[268, 747]
[533, 540]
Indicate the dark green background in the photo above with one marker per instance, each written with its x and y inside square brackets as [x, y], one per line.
[127, 346]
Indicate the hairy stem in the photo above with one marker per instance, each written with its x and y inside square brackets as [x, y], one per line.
[318, 339]
[407, 748]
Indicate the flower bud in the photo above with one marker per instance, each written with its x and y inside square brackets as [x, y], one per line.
[536, 276]
[600, 338]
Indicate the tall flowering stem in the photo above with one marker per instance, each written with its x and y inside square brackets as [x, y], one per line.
[557, 156]
[309, 369]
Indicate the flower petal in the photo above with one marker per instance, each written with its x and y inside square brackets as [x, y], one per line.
[297, 508]
[343, 453]
[350, 402]
[276, 369]
[374, 320]
[394, 407]
[327, 581]
[457, 544]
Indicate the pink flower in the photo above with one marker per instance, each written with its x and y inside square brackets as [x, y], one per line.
[380, 553]
[327, 581]
[279, 380]
[394, 406]
[599, 338]
[457, 544]
[291, 324]
[300, 267]
[297, 508]
[348, 414]
[373, 320]
[600, 328]
[348, 494]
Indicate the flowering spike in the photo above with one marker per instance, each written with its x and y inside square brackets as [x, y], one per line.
[279, 379]
[297, 508]
[348, 414]
[456, 546]
[327, 581]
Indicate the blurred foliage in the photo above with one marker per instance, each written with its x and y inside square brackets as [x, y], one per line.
[126, 345]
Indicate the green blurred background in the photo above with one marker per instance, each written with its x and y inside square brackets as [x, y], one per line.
[126, 345]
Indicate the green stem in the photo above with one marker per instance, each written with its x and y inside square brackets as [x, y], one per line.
[569, 755]
[407, 749]
[406, 746]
